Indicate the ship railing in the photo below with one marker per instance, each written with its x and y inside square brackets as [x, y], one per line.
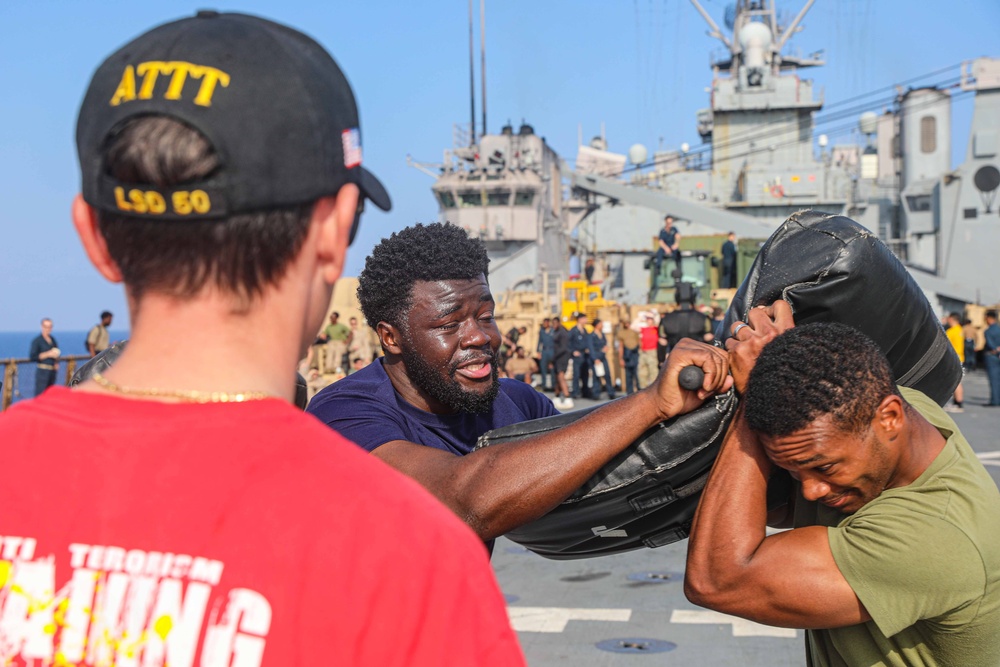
[19, 377]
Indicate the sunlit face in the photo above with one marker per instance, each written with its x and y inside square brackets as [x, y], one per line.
[46, 327]
[842, 470]
[450, 344]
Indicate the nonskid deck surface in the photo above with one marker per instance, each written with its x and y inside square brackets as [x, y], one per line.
[633, 604]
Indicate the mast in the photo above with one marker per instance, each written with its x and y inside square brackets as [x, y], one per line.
[482, 46]
[472, 83]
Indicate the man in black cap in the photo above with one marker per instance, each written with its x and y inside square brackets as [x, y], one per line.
[194, 514]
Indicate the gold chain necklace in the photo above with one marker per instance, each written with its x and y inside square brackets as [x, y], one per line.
[187, 396]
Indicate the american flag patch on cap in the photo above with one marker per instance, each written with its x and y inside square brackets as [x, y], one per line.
[352, 147]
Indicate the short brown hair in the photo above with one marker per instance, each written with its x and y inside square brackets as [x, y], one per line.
[240, 254]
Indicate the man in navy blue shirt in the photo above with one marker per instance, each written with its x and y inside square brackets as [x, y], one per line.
[668, 244]
[422, 406]
[579, 348]
[729, 261]
[992, 350]
[547, 352]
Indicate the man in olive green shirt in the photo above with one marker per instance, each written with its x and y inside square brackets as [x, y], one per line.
[338, 337]
[895, 558]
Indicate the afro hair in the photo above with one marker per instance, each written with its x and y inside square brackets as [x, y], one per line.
[815, 370]
[418, 253]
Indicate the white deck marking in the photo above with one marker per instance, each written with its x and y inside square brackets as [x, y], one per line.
[554, 619]
[741, 627]
[988, 458]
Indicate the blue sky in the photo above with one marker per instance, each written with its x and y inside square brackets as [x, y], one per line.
[639, 66]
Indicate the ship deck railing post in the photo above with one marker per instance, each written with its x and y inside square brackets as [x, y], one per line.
[7, 391]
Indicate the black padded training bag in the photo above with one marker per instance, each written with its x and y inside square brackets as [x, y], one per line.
[829, 269]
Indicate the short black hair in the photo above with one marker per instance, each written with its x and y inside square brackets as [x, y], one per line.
[418, 253]
[815, 370]
[991, 313]
[106, 313]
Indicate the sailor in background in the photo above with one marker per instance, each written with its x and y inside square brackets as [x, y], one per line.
[729, 261]
[546, 350]
[895, 548]
[991, 352]
[98, 338]
[685, 322]
[667, 245]
[599, 361]
[953, 330]
[579, 347]
[45, 353]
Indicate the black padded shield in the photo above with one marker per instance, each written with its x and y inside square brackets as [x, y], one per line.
[645, 496]
[829, 269]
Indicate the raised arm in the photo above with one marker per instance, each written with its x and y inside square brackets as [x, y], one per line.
[497, 488]
[787, 579]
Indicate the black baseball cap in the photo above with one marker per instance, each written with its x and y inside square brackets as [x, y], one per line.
[273, 103]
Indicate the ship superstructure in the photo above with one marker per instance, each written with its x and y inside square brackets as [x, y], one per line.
[761, 159]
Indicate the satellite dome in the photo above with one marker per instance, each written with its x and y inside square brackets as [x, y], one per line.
[868, 122]
[637, 154]
[755, 34]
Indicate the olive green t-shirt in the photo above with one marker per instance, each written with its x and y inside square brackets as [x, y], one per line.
[924, 559]
[337, 332]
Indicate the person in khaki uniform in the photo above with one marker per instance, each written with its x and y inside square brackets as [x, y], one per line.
[520, 367]
[337, 336]
[648, 339]
[360, 347]
[98, 338]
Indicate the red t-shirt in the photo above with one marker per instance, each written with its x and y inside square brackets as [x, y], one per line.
[649, 337]
[143, 533]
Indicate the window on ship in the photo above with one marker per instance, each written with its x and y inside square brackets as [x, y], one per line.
[447, 198]
[500, 198]
[470, 198]
[524, 197]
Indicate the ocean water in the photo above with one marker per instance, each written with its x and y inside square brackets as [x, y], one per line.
[17, 344]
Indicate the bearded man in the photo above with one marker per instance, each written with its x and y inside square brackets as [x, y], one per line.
[422, 406]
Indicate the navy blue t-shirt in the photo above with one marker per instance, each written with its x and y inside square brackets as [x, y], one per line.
[365, 408]
[668, 237]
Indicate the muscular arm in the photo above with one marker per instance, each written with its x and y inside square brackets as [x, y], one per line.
[500, 487]
[788, 579]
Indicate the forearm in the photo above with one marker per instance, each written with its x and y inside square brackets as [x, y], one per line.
[500, 487]
[729, 525]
